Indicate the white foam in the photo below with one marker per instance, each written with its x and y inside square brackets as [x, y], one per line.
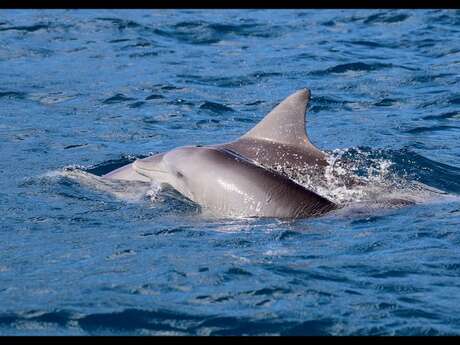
[361, 179]
[130, 191]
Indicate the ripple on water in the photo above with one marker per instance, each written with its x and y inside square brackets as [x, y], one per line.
[86, 92]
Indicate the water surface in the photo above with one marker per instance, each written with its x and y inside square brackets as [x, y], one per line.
[84, 91]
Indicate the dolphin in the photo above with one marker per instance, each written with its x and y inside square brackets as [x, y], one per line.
[240, 178]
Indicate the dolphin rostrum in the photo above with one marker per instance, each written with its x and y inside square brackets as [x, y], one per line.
[239, 178]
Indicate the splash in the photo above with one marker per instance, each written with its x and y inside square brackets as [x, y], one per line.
[129, 191]
[353, 177]
[356, 175]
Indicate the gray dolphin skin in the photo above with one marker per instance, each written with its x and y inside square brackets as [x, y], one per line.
[238, 179]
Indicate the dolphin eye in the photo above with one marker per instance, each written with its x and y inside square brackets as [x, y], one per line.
[179, 174]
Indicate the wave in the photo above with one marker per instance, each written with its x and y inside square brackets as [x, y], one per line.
[163, 322]
[393, 177]
[136, 321]
[86, 183]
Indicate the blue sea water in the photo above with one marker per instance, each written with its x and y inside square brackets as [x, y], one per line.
[85, 91]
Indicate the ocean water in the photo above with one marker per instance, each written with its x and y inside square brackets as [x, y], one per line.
[85, 91]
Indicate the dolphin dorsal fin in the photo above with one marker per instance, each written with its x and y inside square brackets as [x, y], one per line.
[285, 123]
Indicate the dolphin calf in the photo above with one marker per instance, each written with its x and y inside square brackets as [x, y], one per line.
[231, 185]
[239, 178]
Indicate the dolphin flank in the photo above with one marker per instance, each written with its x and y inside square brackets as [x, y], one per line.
[238, 179]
